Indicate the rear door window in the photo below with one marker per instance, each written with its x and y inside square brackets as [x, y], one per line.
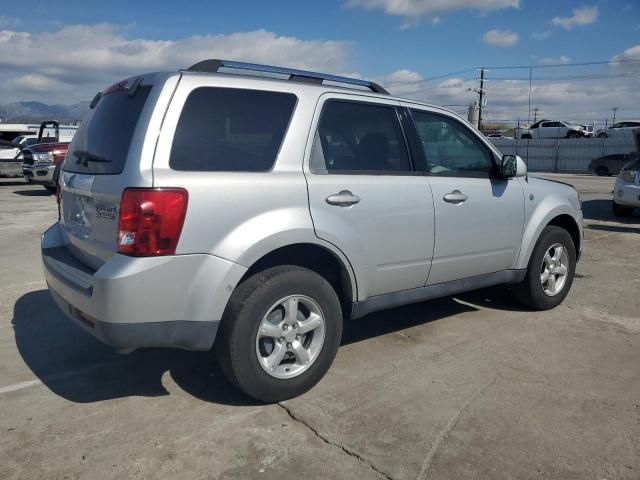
[232, 130]
[356, 137]
[101, 144]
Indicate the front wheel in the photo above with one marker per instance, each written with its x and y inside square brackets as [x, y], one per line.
[550, 271]
[602, 135]
[280, 333]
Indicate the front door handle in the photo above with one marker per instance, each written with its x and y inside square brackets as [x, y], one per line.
[455, 197]
[343, 199]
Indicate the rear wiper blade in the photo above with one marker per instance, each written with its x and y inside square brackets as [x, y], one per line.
[89, 157]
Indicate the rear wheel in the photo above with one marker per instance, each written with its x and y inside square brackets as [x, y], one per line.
[550, 270]
[622, 211]
[602, 171]
[526, 137]
[573, 135]
[279, 333]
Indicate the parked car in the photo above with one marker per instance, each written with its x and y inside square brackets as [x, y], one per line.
[11, 155]
[626, 192]
[41, 162]
[611, 164]
[588, 130]
[551, 129]
[253, 216]
[618, 130]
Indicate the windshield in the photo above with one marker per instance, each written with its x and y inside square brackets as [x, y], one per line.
[102, 142]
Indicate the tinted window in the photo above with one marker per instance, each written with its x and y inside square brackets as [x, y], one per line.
[451, 148]
[105, 134]
[228, 129]
[361, 137]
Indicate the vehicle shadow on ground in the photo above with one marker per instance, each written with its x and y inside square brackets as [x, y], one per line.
[600, 209]
[7, 182]
[34, 193]
[75, 366]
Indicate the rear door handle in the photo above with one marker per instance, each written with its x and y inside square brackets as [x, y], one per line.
[455, 197]
[343, 199]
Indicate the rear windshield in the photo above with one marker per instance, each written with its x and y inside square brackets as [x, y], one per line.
[228, 129]
[101, 144]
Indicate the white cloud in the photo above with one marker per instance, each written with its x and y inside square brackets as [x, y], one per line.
[541, 35]
[500, 38]
[632, 53]
[86, 58]
[581, 16]
[414, 9]
[561, 60]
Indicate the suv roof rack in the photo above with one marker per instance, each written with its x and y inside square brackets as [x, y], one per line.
[214, 65]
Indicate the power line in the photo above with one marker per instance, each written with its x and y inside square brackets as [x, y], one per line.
[444, 75]
[555, 65]
[503, 67]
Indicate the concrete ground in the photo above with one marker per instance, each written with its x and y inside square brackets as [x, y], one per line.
[464, 387]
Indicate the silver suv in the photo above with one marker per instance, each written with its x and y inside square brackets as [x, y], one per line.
[250, 210]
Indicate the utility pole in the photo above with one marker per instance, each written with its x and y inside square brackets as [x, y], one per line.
[481, 93]
[535, 114]
[615, 109]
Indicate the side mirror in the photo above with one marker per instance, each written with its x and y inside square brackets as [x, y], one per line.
[513, 166]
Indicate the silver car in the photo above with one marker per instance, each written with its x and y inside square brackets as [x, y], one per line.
[252, 210]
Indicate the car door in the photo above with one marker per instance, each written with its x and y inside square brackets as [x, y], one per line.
[364, 195]
[479, 217]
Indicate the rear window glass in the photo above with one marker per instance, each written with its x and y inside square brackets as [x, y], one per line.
[228, 129]
[102, 142]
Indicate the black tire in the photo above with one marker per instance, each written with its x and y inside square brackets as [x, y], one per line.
[573, 135]
[235, 345]
[526, 137]
[602, 171]
[530, 292]
[622, 211]
[602, 135]
[50, 189]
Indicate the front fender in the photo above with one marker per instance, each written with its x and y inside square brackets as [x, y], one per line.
[542, 214]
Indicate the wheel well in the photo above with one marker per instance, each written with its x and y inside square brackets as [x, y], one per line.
[313, 257]
[569, 224]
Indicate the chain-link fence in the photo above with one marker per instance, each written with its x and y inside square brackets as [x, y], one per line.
[563, 155]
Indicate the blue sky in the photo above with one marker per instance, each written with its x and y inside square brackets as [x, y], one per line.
[392, 41]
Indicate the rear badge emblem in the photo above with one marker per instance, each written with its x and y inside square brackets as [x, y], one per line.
[106, 210]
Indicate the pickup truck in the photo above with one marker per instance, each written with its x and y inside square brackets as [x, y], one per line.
[551, 129]
[41, 162]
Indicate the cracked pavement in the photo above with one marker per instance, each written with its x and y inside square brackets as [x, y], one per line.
[464, 387]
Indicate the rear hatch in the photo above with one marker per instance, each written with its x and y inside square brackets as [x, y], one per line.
[103, 159]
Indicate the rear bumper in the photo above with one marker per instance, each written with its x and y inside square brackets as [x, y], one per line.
[627, 194]
[173, 301]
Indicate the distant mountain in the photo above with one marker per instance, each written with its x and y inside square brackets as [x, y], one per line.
[28, 112]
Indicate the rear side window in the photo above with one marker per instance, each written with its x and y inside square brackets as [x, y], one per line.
[101, 144]
[355, 137]
[232, 130]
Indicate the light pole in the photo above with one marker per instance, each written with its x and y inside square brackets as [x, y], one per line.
[615, 109]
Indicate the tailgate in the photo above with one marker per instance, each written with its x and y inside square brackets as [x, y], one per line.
[103, 159]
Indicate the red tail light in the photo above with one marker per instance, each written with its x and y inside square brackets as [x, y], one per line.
[151, 221]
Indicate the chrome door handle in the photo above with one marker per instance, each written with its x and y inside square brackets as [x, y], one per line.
[455, 197]
[343, 199]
